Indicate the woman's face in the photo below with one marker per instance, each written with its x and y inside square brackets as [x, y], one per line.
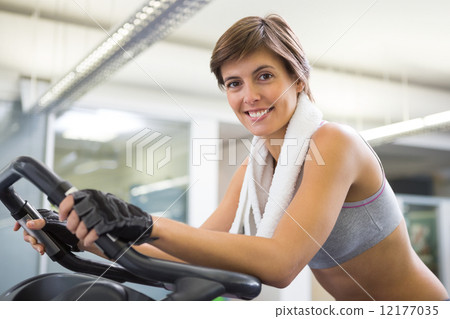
[261, 92]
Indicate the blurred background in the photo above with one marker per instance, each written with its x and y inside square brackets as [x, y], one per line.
[117, 95]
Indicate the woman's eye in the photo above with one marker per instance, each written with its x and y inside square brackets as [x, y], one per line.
[232, 84]
[265, 76]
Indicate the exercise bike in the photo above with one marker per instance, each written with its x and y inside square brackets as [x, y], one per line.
[100, 281]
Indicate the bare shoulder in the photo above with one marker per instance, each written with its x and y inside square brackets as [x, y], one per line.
[335, 133]
[345, 150]
[337, 143]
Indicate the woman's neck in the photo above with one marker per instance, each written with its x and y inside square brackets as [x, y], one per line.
[274, 142]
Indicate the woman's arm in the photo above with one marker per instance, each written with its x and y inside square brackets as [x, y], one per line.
[152, 251]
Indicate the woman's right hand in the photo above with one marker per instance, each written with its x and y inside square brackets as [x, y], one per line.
[51, 224]
[36, 224]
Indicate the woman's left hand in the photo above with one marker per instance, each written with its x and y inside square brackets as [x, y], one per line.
[74, 224]
[92, 213]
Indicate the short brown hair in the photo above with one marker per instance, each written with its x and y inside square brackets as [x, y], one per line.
[252, 33]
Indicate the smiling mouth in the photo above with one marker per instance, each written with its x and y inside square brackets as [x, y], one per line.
[258, 114]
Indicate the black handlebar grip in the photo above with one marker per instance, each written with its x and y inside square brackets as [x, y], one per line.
[38, 174]
[22, 212]
[46, 181]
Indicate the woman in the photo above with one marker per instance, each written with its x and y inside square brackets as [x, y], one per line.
[336, 212]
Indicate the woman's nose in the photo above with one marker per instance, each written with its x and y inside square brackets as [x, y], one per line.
[251, 94]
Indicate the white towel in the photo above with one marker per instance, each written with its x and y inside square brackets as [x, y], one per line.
[265, 195]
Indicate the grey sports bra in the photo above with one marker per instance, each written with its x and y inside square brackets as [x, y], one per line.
[360, 226]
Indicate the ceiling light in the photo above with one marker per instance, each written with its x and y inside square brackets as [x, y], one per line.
[392, 129]
[437, 119]
[388, 133]
[154, 21]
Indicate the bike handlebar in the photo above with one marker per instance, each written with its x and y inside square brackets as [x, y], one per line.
[133, 267]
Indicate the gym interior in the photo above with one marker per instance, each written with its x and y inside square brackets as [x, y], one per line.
[146, 121]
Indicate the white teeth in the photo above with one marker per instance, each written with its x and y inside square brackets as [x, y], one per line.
[257, 114]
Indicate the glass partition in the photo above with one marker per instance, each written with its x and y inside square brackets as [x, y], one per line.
[139, 159]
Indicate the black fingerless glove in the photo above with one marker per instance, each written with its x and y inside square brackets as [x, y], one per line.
[107, 213]
[58, 230]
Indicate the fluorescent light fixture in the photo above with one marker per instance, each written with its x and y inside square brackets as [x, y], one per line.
[388, 133]
[154, 21]
[392, 129]
[437, 119]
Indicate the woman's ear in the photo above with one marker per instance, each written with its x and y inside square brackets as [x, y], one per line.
[300, 86]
